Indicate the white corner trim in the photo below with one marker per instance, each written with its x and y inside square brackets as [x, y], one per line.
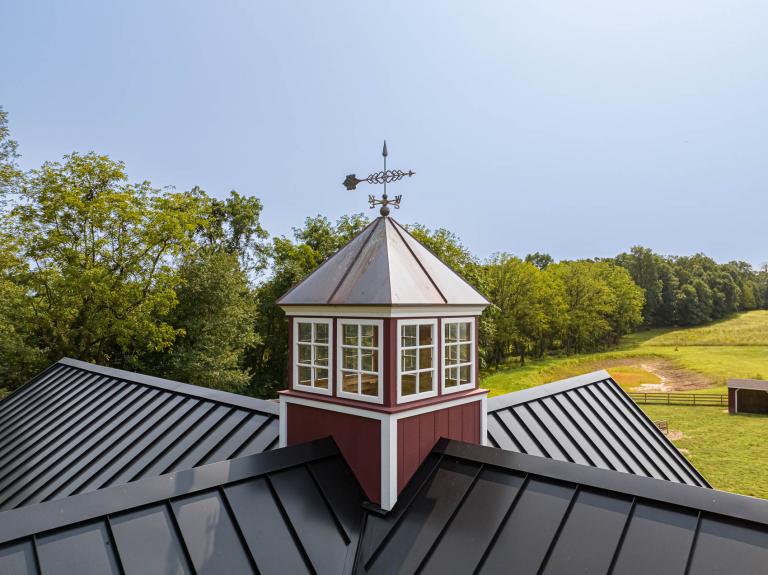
[388, 463]
[283, 423]
[484, 420]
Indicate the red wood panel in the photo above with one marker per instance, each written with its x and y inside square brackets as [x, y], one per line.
[417, 435]
[358, 438]
[731, 402]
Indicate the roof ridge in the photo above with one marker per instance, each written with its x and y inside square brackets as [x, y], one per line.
[706, 499]
[525, 395]
[439, 259]
[206, 393]
[47, 515]
[355, 259]
[396, 226]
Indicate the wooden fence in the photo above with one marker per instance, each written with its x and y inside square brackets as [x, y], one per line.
[695, 399]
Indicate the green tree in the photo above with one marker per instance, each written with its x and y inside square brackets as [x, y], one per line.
[10, 174]
[525, 309]
[101, 257]
[216, 316]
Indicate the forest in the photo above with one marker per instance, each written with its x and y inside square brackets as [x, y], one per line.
[183, 285]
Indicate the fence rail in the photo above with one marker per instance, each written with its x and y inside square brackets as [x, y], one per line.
[695, 399]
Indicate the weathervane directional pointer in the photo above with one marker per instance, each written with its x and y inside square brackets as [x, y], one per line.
[384, 177]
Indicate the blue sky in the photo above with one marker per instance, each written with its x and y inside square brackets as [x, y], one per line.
[574, 128]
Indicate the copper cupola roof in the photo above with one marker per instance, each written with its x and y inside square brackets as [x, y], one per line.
[383, 265]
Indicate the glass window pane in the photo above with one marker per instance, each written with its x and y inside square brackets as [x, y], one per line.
[369, 384]
[464, 331]
[305, 375]
[451, 332]
[369, 335]
[321, 378]
[425, 334]
[305, 353]
[305, 331]
[369, 360]
[349, 358]
[350, 334]
[408, 385]
[321, 333]
[465, 352]
[450, 377]
[408, 360]
[349, 382]
[408, 338]
[425, 381]
[465, 374]
[321, 355]
[451, 354]
[425, 357]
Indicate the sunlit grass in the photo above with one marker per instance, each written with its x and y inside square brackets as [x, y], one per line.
[730, 451]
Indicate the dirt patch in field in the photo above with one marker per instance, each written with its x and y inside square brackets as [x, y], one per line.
[675, 435]
[670, 377]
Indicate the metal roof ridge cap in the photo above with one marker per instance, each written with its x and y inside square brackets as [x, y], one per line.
[47, 515]
[487, 302]
[545, 390]
[355, 259]
[216, 395]
[322, 264]
[722, 503]
[396, 226]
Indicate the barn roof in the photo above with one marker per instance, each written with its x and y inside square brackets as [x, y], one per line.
[467, 509]
[291, 510]
[383, 265]
[473, 509]
[756, 384]
[79, 427]
[588, 420]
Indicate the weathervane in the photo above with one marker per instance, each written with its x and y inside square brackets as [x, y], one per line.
[384, 177]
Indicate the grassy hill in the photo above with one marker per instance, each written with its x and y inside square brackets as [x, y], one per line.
[730, 451]
[709, 355]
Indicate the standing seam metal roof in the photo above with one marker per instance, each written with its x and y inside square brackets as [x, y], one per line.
[383, 265]
[291, 510]
[80, 427]
[587, 420]
[473, 509]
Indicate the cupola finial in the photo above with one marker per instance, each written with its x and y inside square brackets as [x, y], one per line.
[383, 177]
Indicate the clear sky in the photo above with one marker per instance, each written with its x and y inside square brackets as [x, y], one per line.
[574, 128]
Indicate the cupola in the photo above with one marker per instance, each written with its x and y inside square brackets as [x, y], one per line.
[383, 357]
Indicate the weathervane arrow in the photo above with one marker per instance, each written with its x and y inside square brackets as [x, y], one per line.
[383, 177]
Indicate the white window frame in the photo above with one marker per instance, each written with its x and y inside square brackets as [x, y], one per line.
[435, 339]
[311, 388]
[472, 358]
[378, 398]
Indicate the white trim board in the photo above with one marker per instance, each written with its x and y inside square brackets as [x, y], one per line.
[322, 310]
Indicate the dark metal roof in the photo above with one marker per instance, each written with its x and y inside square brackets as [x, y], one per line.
[292, 510]
[587, 420]
[758, 384]
[472, 509]
[383, 265]
[79, 427]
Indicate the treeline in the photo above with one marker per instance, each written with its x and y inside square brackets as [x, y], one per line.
[183, 285]
[685, 291]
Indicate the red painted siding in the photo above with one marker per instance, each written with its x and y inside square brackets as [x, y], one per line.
[418, 434]
[358, 438]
